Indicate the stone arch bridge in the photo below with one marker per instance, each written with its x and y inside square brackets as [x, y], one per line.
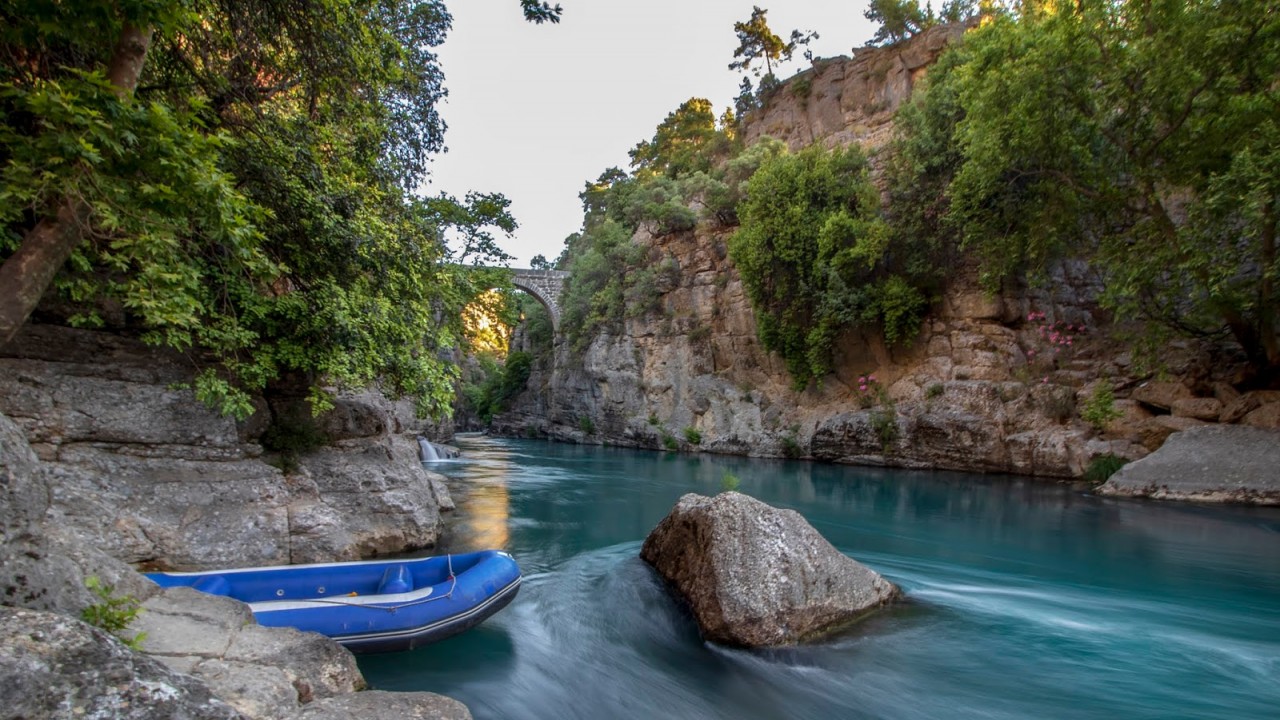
[544, 285]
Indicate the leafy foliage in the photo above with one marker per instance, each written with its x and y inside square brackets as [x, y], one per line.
[250, 202]
[1100, 408]
[603, 264]
[791, 447]
[898, 19]
[756, 41]
[1143, 136]
[114, 613]
[1103, 467]
[535, 325]
[902, 19]
[687, 141]
[501, 384]
[682, 167]
[884, 422]
[815, 258]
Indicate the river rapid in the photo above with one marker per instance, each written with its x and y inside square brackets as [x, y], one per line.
[1027, 599]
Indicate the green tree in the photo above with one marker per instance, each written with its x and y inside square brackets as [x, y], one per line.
[954, 11]
[603, 264]
[687, 141]
[919, 167]
[1144, 135]
[48, 242]
[234, 176]
[815, 258]
[900, 19]
[756, 41]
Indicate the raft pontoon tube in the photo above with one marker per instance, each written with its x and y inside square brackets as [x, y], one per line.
[369, 606]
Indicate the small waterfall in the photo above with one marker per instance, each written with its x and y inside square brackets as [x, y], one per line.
[428, 450]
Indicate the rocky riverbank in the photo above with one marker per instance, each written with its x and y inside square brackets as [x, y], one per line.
[1210, 463]
[108, 464]
[152, 476]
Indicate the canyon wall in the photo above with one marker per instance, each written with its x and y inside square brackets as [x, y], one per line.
[991, 383]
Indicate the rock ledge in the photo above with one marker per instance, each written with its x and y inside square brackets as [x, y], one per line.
[1210, 463]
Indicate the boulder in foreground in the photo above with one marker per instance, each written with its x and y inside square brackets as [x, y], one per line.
[57, 667]
[757, 576]
[1209, 463]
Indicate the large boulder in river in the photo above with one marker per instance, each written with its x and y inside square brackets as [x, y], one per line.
[757, 576]
[1208, 463]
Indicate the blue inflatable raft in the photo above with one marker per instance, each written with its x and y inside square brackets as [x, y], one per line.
[370, 606]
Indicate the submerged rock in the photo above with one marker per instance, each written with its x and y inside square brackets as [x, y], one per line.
[1208, 463]
[57, 667]
[757, 576]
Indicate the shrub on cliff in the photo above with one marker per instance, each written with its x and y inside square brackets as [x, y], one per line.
[816, 258]
[1141, 136]
[603, 264]
[498, 386]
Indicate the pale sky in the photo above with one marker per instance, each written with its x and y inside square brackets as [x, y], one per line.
[534, 111]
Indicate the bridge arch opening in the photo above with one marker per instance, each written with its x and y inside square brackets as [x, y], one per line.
[537, 294]
[545, 286]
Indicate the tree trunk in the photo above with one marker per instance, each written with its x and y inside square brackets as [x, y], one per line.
[26, 275]
[28, 272]
[127, 59]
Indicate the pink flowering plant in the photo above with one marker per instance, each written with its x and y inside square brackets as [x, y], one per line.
[1052, 342]
[870, 392]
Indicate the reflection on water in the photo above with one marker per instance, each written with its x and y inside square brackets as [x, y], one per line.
[1028, 600]
[484, 519]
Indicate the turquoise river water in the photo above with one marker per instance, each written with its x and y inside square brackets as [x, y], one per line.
[1026, 599]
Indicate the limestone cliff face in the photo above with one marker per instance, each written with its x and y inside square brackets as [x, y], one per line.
[990, 384]
[843, 101]
[146, 473]
[967, 394]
